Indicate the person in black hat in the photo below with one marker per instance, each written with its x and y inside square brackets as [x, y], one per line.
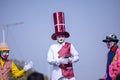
[62, 54]
[113, 57]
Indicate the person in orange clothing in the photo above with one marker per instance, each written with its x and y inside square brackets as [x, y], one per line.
[7, 66]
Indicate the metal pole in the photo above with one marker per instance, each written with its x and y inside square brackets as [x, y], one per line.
[3, 31]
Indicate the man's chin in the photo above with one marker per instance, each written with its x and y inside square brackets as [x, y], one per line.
[108, 47]
[60, 42]
[5, 58]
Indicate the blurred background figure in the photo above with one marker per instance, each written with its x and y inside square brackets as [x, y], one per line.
[118, 77]
[35, 76]
[100, 79]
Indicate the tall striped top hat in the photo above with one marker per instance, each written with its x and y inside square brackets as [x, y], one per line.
[59, 24]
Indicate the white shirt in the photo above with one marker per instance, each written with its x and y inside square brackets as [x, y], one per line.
[52, 57]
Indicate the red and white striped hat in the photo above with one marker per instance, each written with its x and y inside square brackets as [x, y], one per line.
[59, 24]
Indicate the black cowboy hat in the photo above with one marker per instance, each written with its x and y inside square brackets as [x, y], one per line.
[111, 37]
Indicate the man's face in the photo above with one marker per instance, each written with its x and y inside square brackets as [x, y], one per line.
[4, 54]
[109, 44]
[60, 39]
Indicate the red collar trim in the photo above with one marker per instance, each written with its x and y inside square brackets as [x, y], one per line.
[114, 48]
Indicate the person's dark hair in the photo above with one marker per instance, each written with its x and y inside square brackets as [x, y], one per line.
[100, 79]
[118, 77]
[35, 76]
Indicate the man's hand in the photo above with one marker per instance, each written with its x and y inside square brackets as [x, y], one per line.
[28, 66]
[62, 60]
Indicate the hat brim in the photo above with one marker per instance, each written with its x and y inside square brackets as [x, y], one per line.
[66, 34]
[108, 40]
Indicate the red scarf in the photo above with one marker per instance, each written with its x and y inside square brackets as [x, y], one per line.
[67, 69]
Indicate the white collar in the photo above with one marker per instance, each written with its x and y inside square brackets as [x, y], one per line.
[61, 44]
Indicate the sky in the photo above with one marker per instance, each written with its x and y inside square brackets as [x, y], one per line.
[30, 26]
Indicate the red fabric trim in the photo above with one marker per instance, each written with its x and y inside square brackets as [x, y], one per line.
[67, 69]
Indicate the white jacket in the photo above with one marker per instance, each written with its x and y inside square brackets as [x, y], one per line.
[53, 59]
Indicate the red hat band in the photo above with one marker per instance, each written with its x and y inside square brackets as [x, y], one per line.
[59, 28]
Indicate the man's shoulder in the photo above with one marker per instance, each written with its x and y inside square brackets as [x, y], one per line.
[118, 50]
[54, 45]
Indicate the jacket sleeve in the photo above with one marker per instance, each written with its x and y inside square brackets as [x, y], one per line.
[115, 66]
[75, 54]
[113, 70]
[118, 60]
[50, 56]
[118, 55]
[16, 72]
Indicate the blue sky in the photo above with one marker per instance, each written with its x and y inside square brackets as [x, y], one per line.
[87, 21]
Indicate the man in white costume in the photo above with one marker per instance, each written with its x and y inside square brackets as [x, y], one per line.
[62, 54]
